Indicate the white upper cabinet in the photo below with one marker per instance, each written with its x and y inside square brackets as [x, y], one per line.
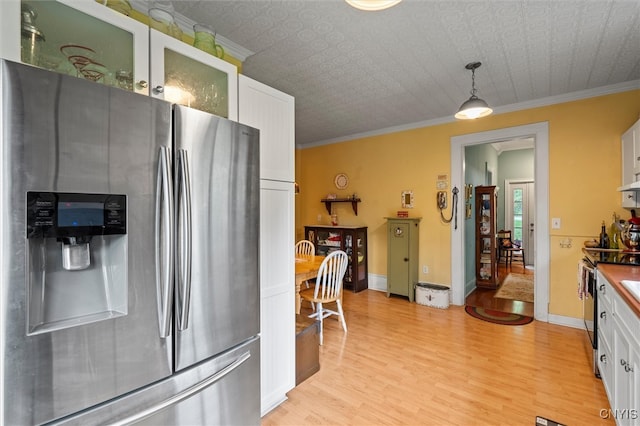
[273, 112]
[631, 167]
[88, 40]
[188, 76]
[79, 38]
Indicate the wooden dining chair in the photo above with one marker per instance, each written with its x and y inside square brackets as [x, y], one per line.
[305, 248]
[508, 249]
[328, 289]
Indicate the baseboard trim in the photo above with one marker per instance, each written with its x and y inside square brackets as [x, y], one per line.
[566, 321]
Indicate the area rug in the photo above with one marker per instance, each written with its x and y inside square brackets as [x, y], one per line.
[516, 287]
[496, 317]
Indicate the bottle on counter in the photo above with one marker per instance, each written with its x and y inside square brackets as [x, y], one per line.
[604, 238]
[614, 232]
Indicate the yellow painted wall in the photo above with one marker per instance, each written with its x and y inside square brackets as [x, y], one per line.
[584, 172]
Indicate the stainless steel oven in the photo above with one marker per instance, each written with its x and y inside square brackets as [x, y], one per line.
[589, 294]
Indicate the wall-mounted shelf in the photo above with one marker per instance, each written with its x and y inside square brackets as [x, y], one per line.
[354, 203]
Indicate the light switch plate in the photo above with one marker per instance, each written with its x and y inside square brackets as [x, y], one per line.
[555, 223]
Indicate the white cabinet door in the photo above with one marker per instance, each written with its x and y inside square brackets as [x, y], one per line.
[631, 164]
[629, 198]
[273, 112]
[188, 76]
[277, 292]
[81, 38]
[633, 136]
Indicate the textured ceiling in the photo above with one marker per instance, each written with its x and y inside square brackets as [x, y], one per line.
[354, 72]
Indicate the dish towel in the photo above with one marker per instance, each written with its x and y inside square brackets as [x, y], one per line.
[583, 280]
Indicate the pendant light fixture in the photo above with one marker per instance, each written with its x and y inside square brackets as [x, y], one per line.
[474, 107]
[372, 5]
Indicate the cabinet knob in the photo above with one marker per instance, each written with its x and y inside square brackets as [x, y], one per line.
[158, 89]
[603, 315]
[406, 259]
[603, 358]
[627, 367]
[143, 84]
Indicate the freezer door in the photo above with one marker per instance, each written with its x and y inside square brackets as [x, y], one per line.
[224, 390]
[64, 134]
[217, 221]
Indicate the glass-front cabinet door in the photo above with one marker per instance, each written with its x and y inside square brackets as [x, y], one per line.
[188, 76]
[80, 38]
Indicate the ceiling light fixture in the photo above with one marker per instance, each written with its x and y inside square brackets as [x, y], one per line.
[474, 107]
[372, 5]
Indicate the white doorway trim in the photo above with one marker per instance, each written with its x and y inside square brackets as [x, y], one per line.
[527, 242]
[540, 133]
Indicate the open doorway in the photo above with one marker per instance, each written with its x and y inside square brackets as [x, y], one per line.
[540, 134]
[508, 166]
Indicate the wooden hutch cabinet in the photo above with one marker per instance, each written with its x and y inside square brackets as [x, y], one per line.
[486, 266]
[350, 239]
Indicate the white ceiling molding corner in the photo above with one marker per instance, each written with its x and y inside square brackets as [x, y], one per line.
[551, 100]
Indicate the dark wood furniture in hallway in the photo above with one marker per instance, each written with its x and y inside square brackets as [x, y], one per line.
[483, 297]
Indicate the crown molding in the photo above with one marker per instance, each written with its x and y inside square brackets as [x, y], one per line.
[186, 25]
[536, 103]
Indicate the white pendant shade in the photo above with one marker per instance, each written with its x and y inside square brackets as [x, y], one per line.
[372, 5]
[474, 107]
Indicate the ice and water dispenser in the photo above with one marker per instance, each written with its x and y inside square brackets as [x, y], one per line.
[76, 260]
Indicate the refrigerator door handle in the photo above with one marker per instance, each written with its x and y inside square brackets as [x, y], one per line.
[184, 238]
[198, 387]
[164, 241]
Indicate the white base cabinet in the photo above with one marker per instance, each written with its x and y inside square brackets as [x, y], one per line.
[277, 293]
[619, 354]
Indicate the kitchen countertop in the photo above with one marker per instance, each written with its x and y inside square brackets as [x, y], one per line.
[616, 273]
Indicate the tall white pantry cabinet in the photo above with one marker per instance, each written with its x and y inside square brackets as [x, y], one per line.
[272, 112]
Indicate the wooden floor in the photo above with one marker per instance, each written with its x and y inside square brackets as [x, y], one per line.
[407, 364]
[484, 297]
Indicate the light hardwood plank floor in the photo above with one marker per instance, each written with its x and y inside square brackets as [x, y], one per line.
[406, 364]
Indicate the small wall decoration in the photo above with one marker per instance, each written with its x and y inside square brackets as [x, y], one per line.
[407, 199]
[341, 181]
[468, 194]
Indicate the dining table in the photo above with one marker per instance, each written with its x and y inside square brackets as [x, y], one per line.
[306, 269]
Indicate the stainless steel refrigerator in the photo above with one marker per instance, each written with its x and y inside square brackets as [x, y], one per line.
[129, 258]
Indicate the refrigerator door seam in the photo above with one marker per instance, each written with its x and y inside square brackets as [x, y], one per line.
[198, 387]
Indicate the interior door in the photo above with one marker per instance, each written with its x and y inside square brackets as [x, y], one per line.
[520, 216]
